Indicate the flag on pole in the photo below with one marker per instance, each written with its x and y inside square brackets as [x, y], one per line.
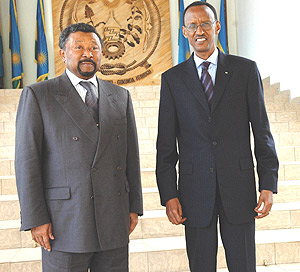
[222, 39]
[14, 46]
[183, 43]
[41, 51]
[1, 62]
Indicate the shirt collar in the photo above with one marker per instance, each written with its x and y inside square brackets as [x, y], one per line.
[213, 58]
[75, 80]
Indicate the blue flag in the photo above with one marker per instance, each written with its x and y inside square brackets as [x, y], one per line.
[14, 46]
[41, 51]
[183, 43]
[1, 61]
[222, 39]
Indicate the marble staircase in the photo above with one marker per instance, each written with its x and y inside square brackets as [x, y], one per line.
[157, 245]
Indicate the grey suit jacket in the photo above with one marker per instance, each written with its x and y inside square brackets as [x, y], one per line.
[82, 179]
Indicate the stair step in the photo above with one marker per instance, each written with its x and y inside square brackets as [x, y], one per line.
[168, 254]
[148, 160]
[10, 92]
[289, 170]
[148, 178]
[8, 185]
[273, 268]
[9, 207]
[288, 153]
[7, 116]
[271, 90]
[151, 199]
[7, 167]
[7, 107]
[289, 191]
[7, 139]
[169, 243]
[155, 224]
[163, 253]
[36, 267]
[7, 152]
[10, 100]
[288, 139]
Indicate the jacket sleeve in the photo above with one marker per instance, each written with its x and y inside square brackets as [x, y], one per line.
[133, 163]
[28, 161]
[264, 146]
[166, 145]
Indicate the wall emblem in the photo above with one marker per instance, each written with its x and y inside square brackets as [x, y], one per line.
[131, 31]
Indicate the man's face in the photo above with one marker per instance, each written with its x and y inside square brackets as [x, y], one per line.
[203, 41]
[82, 54]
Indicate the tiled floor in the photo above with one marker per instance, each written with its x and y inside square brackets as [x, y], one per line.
[274, 268]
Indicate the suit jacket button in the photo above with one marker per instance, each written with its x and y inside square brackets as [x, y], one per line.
[211, 170]
[118, 136]
[92, 197]
[119, 168]
[214, 143]
[209, 119]
[119, 194]
[75, 138]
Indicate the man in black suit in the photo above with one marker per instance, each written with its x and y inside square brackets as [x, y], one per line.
[207, 106]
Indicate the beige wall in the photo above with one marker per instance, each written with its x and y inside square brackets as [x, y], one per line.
[268, 33]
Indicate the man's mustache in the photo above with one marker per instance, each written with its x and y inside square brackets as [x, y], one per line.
[87, 60]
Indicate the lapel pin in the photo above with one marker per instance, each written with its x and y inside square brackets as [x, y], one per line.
[226, 73]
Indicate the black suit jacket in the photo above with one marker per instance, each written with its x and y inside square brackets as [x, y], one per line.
[213, 145]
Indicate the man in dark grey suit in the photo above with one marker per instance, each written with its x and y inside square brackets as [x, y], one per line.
[77, 162]
[207, 106]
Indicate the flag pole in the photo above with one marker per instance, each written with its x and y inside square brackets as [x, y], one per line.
[226, 24]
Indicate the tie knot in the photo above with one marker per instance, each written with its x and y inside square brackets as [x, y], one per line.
[205, 65]
[86, 84]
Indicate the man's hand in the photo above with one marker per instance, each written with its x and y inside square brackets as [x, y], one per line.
[41, 235]
[265, 197]
[174, 211]
[133, 222]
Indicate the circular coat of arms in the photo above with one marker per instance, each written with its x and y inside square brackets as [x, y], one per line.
[130, 30]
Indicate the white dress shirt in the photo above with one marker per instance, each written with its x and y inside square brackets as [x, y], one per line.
[75, 80]
[212, 69]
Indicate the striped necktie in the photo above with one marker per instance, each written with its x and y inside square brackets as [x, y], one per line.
[207, 81]
[91, 100]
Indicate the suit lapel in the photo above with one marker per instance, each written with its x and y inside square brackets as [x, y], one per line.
[67, 96]
[222, 77]
[192, 81]
[107, 108]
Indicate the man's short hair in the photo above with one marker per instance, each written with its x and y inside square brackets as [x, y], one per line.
[64, 35]
[200, 3]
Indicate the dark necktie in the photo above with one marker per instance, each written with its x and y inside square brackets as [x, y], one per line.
[91, 100]
[207, 81]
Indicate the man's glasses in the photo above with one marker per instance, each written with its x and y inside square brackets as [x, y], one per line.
[192, 28]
